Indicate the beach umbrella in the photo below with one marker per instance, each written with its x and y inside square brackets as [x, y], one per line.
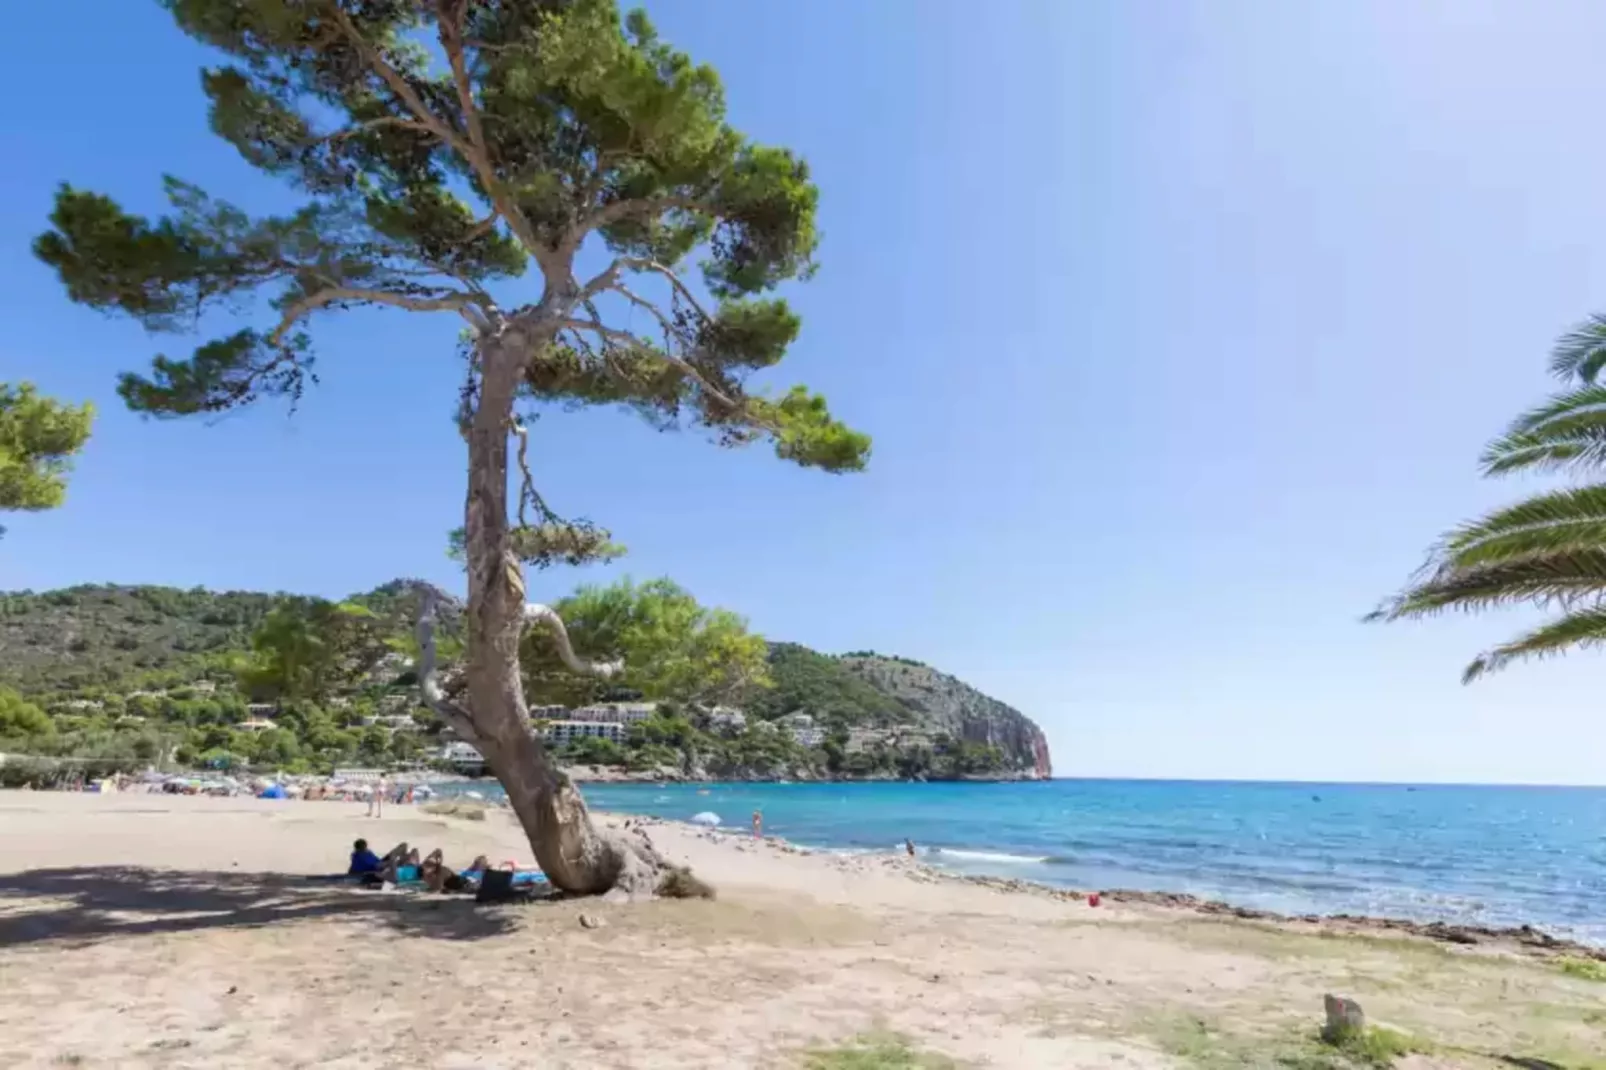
[708, 818]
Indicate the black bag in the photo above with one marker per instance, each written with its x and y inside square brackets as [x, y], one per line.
[496, 886]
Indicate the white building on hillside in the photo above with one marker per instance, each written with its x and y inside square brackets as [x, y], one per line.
[560, 732]
[803, 729]
[727, 719]
[864, 738]
[614, 712]
[463, 755]
[396, 722]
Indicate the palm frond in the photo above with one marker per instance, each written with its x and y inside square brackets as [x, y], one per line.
[1546, 550]
[1564, 578]
[1581, 352]
[1581, 630]
[1567, 431]
[1562, 521]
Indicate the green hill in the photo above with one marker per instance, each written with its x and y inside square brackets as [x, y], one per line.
[120, 637]
[110, 659]
[825, 687]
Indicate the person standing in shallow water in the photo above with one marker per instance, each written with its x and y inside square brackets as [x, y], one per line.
[758, 825]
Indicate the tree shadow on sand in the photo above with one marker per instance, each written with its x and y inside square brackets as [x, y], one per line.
[90, 903]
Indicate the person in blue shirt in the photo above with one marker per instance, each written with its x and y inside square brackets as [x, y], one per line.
[363, 860]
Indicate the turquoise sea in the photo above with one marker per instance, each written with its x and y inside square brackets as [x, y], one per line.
[1485, 855]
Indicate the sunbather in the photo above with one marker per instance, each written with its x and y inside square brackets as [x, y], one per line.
[438, 877]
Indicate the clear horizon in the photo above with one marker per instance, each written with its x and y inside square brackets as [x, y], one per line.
[1179, 333]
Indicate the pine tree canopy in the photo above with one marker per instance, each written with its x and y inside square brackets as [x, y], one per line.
[441, 147]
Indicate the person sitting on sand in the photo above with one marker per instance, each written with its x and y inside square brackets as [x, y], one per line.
[364, 863]
[363, 860]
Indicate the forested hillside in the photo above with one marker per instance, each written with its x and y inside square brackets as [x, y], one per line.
[187, 675]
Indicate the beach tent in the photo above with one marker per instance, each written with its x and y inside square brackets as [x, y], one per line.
[274, 791]
[707, 817]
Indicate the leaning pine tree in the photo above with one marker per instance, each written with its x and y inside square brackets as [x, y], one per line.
[442, 146]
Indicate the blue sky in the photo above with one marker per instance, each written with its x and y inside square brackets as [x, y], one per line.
[1178, 328]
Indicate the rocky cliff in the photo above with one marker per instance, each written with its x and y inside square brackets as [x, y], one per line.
[942, 703]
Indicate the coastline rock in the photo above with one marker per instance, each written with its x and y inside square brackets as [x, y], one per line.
[1344, 1019]
[1524, 936]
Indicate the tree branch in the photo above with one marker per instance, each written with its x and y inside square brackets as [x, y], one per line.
[620, 210]
[528, 495]
[398, 85]
[602, 280]
[450, 32]
[638, 264]
[536, 613]
[618, 337]
[601, 330]
[470, 153]
[371, 124]
[462, 303]
[454, 716]
[642, 302]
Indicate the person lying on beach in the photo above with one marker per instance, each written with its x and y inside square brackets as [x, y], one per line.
[438, 877]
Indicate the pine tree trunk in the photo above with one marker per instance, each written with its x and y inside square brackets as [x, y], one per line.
[570, 851]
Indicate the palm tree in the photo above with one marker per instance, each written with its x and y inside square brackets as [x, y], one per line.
[1548, 550]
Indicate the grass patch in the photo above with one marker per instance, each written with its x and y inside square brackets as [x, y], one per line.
[1198, 1044]
[1375, 1046]
[877, 1051]
[1284, 942]
[468, 810]
[1586, 969]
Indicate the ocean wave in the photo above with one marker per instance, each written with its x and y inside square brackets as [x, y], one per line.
[989, 856]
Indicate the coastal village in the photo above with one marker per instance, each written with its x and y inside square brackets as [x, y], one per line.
[611, 721]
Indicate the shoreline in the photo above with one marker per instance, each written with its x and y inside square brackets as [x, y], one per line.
[601, 774]
[1526, 939]
[1513, 925]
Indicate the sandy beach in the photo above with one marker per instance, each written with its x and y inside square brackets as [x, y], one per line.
[166, 931]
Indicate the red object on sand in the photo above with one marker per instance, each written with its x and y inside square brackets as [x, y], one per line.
[1093, 899]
